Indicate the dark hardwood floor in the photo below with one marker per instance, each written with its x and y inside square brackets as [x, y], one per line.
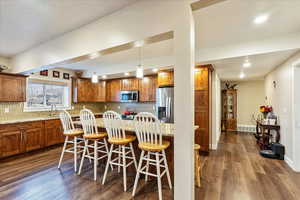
[235, 171]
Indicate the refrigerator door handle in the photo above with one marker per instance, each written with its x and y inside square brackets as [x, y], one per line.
[169, 108]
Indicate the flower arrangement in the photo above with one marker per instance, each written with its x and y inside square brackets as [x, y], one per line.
[265, 110]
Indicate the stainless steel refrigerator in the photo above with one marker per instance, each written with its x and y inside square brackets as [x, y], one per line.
[165, 104]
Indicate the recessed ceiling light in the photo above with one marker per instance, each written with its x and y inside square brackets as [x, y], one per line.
[242, 75]
[155, 70]
[94, 78]
[247, 64]
[126, 74]
[104, 76]
[261, 19]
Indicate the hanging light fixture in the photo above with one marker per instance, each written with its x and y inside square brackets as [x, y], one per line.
[139, 69]
[94, 78]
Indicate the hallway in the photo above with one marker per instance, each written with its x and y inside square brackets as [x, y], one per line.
[236, 171]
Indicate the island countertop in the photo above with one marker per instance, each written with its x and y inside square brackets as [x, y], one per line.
[168, 129]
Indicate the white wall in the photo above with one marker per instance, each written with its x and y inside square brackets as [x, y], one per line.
[216, 110]
[5, 61]
[282, 98]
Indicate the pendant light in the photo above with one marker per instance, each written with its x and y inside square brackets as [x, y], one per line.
[139, 69]
[94, 78]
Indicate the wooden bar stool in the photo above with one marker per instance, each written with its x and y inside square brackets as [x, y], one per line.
[148, 130]
[197, 165]
[117, 137]
[98, 140]
[70, 132]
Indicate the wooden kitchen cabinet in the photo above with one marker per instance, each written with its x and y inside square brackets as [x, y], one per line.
[147, 89]
[202, 78]
[99, 91]
[86, 91]
[10, 141]
[129, 84]
[165, 78]
[113, 88]
[53, 132]
[12, 87]
[33, 135]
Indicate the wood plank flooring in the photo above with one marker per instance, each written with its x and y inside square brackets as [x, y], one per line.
[235, 171]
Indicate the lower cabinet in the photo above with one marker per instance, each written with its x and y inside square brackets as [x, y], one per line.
[28, 136]
[53, 132]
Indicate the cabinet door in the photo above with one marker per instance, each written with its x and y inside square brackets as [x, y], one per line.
[53, 132]
[129, 84]
[113, 90]
[202, 119]
[147, 89]
[12, 88]
[201, 79]
[11, 142]
[165, 78]
[84, 90]
[33, 138]
[99, 91]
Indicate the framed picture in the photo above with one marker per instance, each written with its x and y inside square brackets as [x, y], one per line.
[66, 76]
[44, 73]
[56, 74]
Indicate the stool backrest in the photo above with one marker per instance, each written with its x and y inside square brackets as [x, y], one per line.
[148, 128]
[66, 121]
[88, 121]
[113, 124]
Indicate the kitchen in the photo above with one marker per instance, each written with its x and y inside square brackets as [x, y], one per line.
[27, 127]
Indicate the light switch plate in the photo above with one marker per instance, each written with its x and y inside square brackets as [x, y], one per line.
[6, 110]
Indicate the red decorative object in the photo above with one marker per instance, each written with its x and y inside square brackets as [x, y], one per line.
[265, 110]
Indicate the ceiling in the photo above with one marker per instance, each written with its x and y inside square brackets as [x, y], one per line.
[24, 24]
[231, 21]
[224, 24]
[230, 69]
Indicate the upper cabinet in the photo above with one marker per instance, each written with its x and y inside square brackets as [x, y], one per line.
[147, 89]
[165, 78]
[129, 84]
[12, 88]
[201, 78]
[86, 91]
[113, 88]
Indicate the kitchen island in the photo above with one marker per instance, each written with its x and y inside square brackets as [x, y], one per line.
[168, 132]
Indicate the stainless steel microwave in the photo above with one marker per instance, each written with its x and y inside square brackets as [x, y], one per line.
[129, 96]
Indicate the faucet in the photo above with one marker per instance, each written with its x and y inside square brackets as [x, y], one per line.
[53, 108]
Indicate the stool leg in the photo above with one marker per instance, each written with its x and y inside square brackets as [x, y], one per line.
[133, 156]
[108, 163]
[107, 151]
[83, 156]
[63, 152]
[147, 166]
[75, 153]
[95, 159]
[124, 168]
[119, 158]
[158, 176]
[167, 168]
[138, 173]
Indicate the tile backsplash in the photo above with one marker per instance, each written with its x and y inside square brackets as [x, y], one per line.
[14, 110]
[136, 107]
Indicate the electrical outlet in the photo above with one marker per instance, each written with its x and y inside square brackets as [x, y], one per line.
[119, 107]
[72, 107]
[153, 107]
[6, 110]
[105, 107]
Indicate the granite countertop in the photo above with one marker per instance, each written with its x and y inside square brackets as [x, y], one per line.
[36, 119]
[167, 128]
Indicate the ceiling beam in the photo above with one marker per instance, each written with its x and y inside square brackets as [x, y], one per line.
[150, 40]
[204, 3]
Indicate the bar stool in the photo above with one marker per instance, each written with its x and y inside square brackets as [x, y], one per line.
[70, 132]
[197, 165]
[117, 137]
[98, 140]
[148, 130]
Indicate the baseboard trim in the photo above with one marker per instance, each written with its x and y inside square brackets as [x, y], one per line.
[289, 162]
[246, 128]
